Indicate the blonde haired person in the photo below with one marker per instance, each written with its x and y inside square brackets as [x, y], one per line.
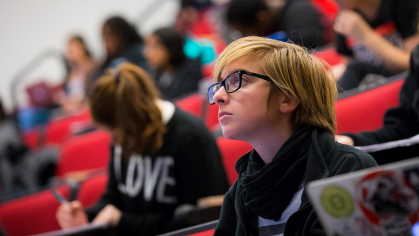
[163, 159]
[279, 99]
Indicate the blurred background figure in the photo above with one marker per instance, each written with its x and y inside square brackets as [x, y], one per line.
[189, 13]
[10, 143]
[298, 20]
[122, 44]
[175, 74]
[376, 36]
[20, 169]
[400, 122]
[81, 72]
[150, 135]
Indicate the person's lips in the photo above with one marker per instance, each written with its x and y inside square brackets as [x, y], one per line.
[223, 113]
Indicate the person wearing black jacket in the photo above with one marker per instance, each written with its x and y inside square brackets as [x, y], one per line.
[279, 99]
[298, 19]
[175, 74]
[163, 161]
[399, 123]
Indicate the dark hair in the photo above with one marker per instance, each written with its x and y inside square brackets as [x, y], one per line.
[173, 41]
[80, 40]
[127, 100]
[243, 12]
[123, 30]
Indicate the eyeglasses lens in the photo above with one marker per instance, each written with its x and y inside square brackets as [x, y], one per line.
[212, 90]
[232, 82]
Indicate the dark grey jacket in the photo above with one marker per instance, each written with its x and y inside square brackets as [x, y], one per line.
[328, 158]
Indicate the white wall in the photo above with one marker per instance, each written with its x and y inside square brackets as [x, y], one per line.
[28, 27]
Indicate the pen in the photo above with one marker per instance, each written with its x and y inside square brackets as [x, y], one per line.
[58, 196]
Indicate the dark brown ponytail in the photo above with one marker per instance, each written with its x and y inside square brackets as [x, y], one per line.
[126, 101]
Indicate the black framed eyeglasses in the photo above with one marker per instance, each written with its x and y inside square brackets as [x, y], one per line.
[231, 83]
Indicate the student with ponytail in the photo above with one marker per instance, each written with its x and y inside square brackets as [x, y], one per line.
[163, 159]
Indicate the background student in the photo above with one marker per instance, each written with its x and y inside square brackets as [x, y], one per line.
[279, 99]
[163, 159]
[175, 74]
[299, 20]
[122, 44]
[376, 36]
[399, 123]
[81, 72]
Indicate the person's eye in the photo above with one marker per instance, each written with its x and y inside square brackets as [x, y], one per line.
[245, 78]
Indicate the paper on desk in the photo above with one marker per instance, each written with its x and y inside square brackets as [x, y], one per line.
[383, 146]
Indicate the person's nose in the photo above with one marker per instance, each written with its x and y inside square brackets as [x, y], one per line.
[221, 96]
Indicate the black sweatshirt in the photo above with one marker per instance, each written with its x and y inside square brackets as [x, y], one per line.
[149, 187]
[326, 158]
[401, 122]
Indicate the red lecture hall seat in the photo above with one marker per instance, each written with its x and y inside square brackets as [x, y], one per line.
[32, 214]
[365, 111]
[231, 151]
[85, 152]
[92, 190]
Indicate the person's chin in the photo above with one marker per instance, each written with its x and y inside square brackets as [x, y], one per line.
[229, 133]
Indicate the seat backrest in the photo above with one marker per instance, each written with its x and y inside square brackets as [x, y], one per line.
[205, 233]
[207, 70]
[30, 138]
[31, 214]
[330, 56]
[92, 190]
[211, 117]
[60, 130]
[327, 7]
[365, 111]
[231, 151]
[191, 104]
[84, 152]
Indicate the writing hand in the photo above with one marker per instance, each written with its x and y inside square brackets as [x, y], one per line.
[109, 215]
[71, 214]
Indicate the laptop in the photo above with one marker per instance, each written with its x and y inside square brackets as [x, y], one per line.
[377, 201]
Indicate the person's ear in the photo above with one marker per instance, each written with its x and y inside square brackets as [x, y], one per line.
[288, 103]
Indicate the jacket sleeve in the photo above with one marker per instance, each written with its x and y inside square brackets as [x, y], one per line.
[302, 25]
[400, 122]
[227, 223]
[351, 160]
